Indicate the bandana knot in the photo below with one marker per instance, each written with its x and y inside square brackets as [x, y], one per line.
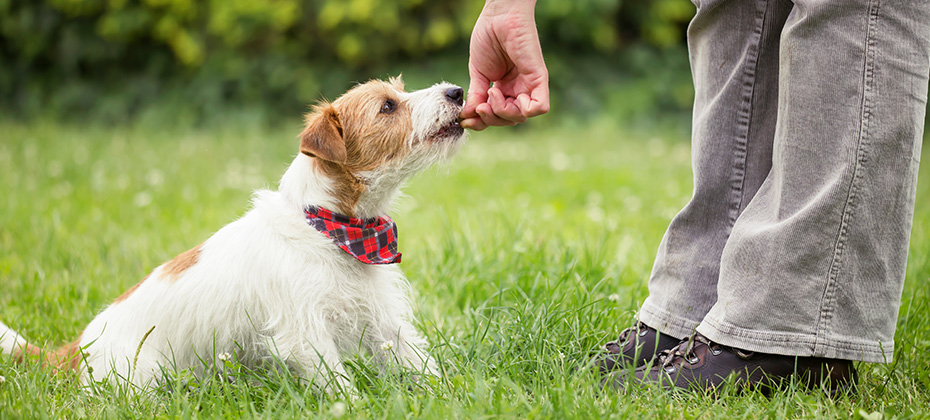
[371, 241]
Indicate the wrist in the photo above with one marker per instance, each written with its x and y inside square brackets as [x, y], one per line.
[499, 7]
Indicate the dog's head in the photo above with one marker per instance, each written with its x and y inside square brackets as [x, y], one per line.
[376, 134]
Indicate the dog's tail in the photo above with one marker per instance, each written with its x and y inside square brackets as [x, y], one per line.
[67, 357]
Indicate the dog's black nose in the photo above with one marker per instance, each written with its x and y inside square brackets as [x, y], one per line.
[456, 95]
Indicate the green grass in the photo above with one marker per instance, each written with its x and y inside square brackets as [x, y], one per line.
[528, 250]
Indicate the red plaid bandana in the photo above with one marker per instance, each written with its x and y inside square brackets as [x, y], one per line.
[371, 241]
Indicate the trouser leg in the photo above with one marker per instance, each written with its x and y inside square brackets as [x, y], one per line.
[734, 50]
[815, 264]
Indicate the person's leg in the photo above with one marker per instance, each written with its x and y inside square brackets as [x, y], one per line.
[815, 264]
[734, 50]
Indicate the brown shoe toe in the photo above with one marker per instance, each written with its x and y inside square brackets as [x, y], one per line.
[635, 347]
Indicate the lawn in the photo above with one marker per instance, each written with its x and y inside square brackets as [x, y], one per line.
[529, 249]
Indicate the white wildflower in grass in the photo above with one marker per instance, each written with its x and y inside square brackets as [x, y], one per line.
[155, 177]
[559, 161]
[338, 409]
[2, 380]
[561, 356]
[596, 213]
[224, 357]
[387, 345]
[142, 199]
[614, 297]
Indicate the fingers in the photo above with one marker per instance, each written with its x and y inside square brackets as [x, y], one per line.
[498, 110]
[477, 93]
[495, 110]
[536, 103]
[489, 117]
[485, 118]
[473, 124]
[503, 107]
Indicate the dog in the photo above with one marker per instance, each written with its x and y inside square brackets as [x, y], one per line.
[304, 278]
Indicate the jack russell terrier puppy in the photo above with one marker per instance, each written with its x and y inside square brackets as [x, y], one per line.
[305, 277]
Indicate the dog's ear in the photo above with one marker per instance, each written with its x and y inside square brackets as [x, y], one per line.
[322, 138]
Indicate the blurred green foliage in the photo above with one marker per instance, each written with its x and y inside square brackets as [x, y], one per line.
[115, 57]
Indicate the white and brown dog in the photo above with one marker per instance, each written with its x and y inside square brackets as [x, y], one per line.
[282, 283]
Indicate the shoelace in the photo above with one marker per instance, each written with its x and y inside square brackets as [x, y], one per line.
[684, 351]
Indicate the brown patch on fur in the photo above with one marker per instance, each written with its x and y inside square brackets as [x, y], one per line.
[346, 187]
[20, 355]
[172, 269]
[132, 289]
[371, 138]
[66, 358]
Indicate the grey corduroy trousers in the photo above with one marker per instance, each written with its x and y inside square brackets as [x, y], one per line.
[808, 119]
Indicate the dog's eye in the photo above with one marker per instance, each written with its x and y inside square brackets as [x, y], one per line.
[388, 107]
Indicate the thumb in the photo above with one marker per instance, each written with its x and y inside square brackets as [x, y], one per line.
[477, 94]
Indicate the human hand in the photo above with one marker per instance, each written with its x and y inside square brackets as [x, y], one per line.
[505, 51]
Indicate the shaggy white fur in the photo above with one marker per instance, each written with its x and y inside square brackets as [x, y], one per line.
[269, 287]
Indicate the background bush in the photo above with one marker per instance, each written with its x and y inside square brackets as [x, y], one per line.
[115, 58]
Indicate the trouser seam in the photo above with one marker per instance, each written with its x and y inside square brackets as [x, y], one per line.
[744, 119]
[827, 302]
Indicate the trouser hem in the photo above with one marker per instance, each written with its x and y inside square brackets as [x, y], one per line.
[793, 344]
[665, 322]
